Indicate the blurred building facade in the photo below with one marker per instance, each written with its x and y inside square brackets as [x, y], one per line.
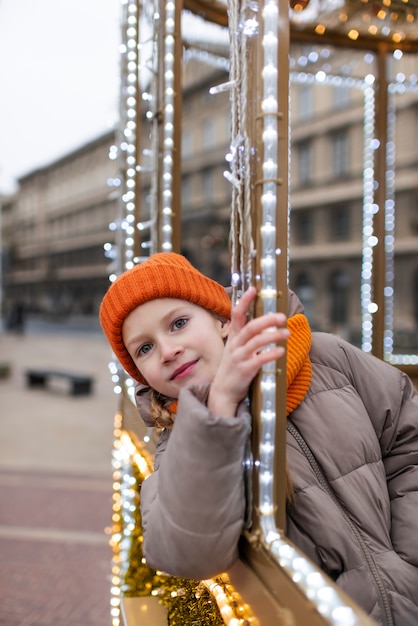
[56, 226]
[54, 229]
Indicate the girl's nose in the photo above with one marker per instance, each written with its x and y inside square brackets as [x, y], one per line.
[169, 351]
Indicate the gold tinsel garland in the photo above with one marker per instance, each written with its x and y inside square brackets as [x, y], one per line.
[188, 602]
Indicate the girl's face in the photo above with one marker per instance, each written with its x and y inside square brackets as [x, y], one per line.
[174, 343]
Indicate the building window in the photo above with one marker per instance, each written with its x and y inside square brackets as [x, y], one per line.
[340, 97]
[304, 227]
[414, 217]
[340, 223]
[304, 160]
[340, 153]
[306, 293]
[415, 296]
[208, 133]
[207, 185]
[339, 286]
[186, 143]
[186, 190]
[145, 199]
[305, 102]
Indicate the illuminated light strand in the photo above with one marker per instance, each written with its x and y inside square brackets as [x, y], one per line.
[125, 492]
[125, 150]
[128, 144]
[115, 599]
[312, 581]
[268, 253]
[389, 231]
[369, 210]
[208, 58]
[137, 66]
[153, 115]
[316, 64]
[234, 611]
[268, 288]
[325, 78]
[168, 129]
[404, 359]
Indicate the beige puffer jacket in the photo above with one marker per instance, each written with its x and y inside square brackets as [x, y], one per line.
[360, 421]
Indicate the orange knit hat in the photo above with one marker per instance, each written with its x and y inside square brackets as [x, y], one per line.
[163, 275]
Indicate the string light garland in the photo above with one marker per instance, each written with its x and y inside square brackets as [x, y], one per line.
[128, 144]
[388, 292]
[368, 307]
[268, 252]
[168, 130]
[311, 581]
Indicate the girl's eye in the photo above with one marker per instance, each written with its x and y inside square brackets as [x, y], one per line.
[143, 350]
[179, 323]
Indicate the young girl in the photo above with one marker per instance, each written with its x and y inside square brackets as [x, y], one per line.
[355, 503]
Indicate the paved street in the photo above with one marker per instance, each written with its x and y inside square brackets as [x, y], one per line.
[55, 482]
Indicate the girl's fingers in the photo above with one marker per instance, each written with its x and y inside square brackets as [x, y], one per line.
[262, 329]
[267, 338]
[240, 310]
[266, 322]
[256, 325]
[260, 345]
[238, 385]
[270, 355]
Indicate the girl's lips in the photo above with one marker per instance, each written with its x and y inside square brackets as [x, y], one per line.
[184, 370]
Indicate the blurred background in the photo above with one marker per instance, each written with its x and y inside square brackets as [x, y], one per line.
[60, 180]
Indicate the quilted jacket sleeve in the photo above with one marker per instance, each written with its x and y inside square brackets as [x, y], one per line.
[392, 404]
[193, 505]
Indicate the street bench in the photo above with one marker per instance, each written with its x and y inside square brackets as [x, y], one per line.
[5, 370]
[79, 384]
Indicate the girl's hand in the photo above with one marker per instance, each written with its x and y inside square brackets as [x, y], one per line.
[249, 346]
